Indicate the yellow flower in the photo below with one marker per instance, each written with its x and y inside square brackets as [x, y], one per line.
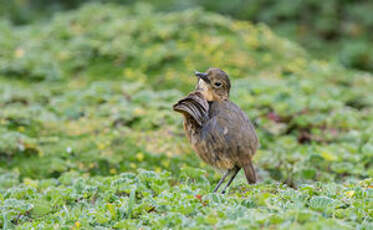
[140, 156]
[328, 156]
[77, 224]
[101, 146]
[350, 193]
[19, 53]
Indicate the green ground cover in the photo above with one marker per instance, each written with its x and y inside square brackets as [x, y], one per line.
[88, 139]
[336, 30]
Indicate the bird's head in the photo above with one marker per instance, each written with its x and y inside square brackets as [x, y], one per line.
[214, 84]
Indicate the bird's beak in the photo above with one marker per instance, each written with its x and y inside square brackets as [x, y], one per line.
[202, 76]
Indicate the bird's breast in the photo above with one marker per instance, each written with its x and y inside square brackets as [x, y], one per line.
[210, 148]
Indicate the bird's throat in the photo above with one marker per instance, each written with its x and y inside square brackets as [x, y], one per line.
[206, 90]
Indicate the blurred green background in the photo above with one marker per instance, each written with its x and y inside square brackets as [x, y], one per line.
[336, 30]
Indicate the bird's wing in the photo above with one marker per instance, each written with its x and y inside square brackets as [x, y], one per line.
[194, 105]
[229, 131]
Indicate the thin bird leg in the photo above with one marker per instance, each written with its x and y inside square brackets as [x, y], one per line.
[222, 180]
[235, 172]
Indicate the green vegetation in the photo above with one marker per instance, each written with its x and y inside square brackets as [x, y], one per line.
[88, 139]
[337, 30]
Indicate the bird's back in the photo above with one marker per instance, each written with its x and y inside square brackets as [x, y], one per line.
[228, 138]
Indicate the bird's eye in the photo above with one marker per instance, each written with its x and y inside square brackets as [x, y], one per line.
[217, 84]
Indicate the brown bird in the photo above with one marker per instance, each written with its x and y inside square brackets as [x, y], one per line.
[218, 129]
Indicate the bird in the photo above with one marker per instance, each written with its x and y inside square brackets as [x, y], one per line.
[219, 131]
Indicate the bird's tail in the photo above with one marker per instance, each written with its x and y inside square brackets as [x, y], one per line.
[250, 172]
[195, 105]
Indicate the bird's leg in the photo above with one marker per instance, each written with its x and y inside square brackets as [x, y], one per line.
[235, 172]
[222, 180]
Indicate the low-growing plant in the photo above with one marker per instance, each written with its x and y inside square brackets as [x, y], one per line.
[92, 142]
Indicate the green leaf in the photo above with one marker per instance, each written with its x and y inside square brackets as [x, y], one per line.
[320, 203]
[41, 208]
[131, 202]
